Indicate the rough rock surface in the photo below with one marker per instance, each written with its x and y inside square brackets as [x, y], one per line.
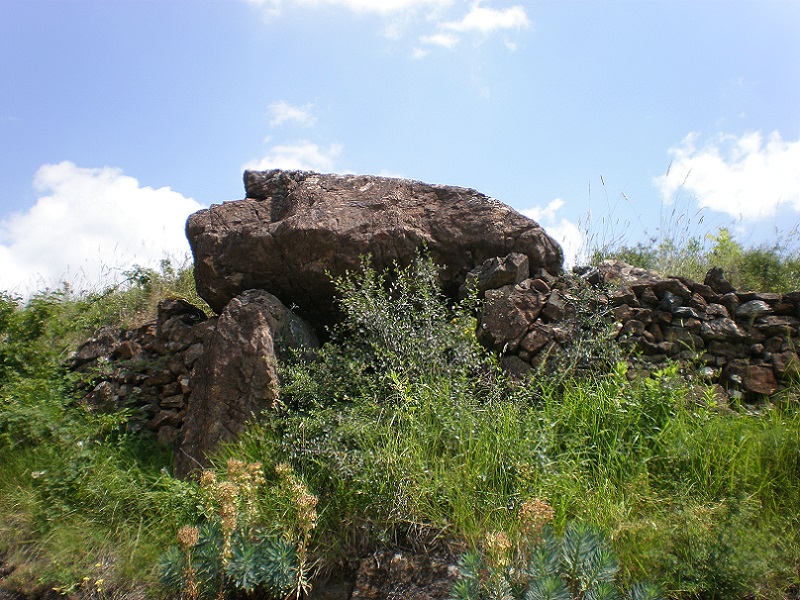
[146, 369]
[236, 377]
[747, 340]
[296, 228]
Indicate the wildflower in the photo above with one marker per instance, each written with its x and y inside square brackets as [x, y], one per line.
[498, 548]
[188, 536]
[228, 494]
[208, 479]
[534, 514]
[283, 469]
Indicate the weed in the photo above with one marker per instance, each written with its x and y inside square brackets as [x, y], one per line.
[232, 550]
[575, 566]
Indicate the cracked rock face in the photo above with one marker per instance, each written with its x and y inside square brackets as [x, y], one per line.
[296, 228]
[236, 378]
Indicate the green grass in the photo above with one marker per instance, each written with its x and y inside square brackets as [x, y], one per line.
[766, 268]
[404, 432]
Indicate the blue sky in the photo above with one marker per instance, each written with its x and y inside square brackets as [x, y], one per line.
[119, 118]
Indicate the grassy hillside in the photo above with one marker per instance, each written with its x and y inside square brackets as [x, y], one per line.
[400, 431]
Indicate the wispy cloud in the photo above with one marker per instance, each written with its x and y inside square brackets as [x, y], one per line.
[742, 176]
[281, 112]
[87, 226]
[431, 22]
[487, 20]
[301, 155]
[447, 40]
[561, 229]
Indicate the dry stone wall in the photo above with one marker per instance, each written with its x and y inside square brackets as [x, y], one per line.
[191, 380]
[147, 369]
[746, 341]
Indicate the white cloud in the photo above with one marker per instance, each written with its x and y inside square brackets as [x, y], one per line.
[418, 53]
[302, 155]
[561, 229]
[740, 176]
[548, 213]
[281, 112]
[436, 15]
[87, 226]
[488, 20]
[447, 40]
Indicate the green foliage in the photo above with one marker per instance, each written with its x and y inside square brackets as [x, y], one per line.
[705, 559]
[455, 453]
[407, 434]
[766, 268]
[400, 323]
[580, 565]
[254, 561]
[232, 551]
[81, 499]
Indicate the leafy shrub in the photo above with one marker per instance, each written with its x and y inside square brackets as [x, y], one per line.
[232, 551]
[579, 565]
[396, 324]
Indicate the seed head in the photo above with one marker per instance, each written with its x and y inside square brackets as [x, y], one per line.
[188, 536]
[533, 515]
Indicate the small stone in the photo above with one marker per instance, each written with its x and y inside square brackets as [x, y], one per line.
[159, 379]
[495, 273]
[730, 301]
[704, 291]
[176, 401]
[761, 380]
[554, 307]
[780, 326]
[686, 312]
[647, 296]
[541, 286]
[164, 418]
[516, 367]
[539, 335]
[171, 389]
[728, 349]
[632, 328]
[715, 279]
[786, 364]
[622, 295]
[752, 310]
[124, 351]
[721, 329]
[714, 311]
[673, 286]
[623, 312]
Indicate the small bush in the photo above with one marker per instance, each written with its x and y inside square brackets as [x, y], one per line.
[232, 550]
[579, 565]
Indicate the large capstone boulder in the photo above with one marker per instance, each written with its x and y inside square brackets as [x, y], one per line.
[236, 378]
[296, 229]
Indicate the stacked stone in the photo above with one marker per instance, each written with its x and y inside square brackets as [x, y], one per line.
[147, 369]
[747, 340]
